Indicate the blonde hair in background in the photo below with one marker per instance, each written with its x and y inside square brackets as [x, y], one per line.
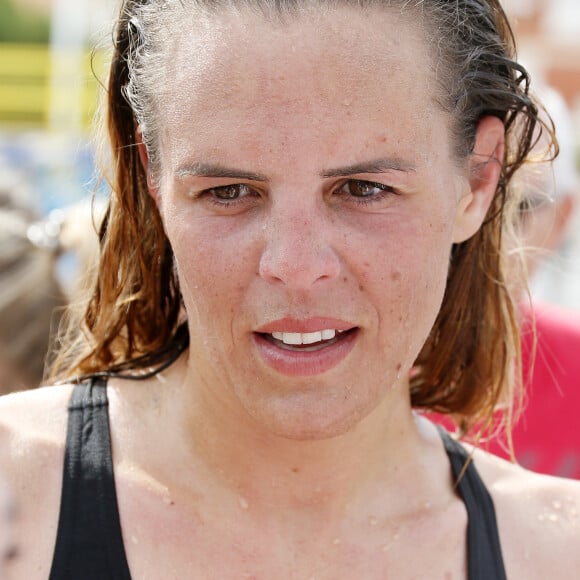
[32, 294]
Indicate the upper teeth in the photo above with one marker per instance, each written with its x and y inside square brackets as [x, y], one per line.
[304, 337]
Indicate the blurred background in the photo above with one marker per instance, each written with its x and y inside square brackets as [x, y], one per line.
[53, 54]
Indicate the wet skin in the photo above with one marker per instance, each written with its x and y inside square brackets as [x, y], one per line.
[307, 183]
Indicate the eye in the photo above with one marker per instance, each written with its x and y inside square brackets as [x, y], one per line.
[362, 191]
[229, 192]
[230, 198]
[363, 188]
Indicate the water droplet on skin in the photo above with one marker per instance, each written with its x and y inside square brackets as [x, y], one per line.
[553, 517]
[373, 521]
[557, 505]
[336, 541]
[134, 540]
[244, 503]
[398, 369]
[541, 517]
[396, 537]
[386, 547]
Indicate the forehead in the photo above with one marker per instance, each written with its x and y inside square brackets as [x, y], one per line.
[332, 69]
[223, 52]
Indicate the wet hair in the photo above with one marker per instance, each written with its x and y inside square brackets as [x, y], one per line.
[134, 321]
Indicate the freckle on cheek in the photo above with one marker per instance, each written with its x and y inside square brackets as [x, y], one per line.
[395, 276]
[361, 287]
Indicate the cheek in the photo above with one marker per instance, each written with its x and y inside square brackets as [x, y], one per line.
[405, 275]
[401, 251]
[428, 263]
[213, 265]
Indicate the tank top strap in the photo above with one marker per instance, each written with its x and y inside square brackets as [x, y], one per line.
[89, 543]
[485, 560]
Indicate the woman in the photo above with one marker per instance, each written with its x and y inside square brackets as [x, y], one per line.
[302, 246]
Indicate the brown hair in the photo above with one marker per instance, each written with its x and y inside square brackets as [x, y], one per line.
[133, 319]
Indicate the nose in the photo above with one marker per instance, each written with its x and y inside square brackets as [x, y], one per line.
[298, 250]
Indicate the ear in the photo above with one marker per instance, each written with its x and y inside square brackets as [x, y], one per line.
[485, 166]
[144, 157]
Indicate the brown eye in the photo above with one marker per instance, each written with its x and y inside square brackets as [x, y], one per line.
[363, 188]
[360, 188]
[230, 192]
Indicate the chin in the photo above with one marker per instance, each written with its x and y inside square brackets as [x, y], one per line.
[312, 421]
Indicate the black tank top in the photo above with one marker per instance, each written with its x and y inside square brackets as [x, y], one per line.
[89, 544]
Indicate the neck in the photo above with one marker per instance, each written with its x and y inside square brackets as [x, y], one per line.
[386, 450]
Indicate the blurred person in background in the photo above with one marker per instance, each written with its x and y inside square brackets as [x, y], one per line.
[546, 438]
[42, 264]
[554, 228]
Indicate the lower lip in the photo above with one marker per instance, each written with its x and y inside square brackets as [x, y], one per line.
[297, 363]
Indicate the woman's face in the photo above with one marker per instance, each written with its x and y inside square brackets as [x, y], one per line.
[310, 194]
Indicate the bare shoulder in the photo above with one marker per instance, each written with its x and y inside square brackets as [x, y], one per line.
[32, 441]
[32, 419]
[538, 518]
[32, 436]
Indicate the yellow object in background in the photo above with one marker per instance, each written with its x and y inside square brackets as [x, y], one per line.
[48, 90]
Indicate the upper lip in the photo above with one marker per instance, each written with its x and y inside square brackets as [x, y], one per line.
[315, 324]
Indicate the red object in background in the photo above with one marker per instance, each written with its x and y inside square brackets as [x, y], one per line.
[546, 437]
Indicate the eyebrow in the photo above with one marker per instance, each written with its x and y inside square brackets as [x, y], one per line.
[217, 170]
[382, 165]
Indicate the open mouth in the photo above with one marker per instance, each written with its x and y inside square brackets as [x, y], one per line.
[307, 341]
